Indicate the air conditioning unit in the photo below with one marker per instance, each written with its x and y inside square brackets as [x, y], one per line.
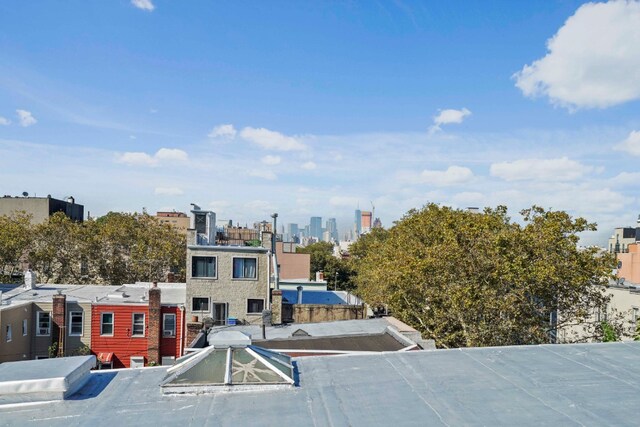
[168, 360]
[167, 333]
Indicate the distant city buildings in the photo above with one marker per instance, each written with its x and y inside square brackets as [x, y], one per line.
[622, 237]
[179, 221]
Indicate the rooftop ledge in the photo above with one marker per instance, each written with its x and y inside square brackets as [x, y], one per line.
[221, 248]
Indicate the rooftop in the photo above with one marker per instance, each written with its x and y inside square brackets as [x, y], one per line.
[579, 384]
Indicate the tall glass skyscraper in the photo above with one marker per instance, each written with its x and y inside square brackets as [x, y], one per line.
[357, 226]
[315, 227]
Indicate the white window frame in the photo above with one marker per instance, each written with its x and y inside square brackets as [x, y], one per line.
[9, 336]
[215, 266]
[25, 327]
[233, 269]
[71, 313]
[38, 330]
[635, 314]
[255, 299]
[201, 311]
[102, 323]
[171, 333]
[133, 323]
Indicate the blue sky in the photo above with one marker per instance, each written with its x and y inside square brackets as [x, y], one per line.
[309, 108]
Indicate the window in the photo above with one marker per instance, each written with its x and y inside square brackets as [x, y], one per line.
[44, 323]
[138, 325]
[244, 268]
[8, 336]
[203, 266]
[25, 329]
[635, 314]
[200, 304]
[255, 306]
[168, 325]
[106, 324]
[75, 323]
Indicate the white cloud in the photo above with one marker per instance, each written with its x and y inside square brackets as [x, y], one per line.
[309, 166]
[25, 118]
[168, 191]
[561, 169]
[143, 4]
[219, 205]
[144, 159]
[172, 154]
[449, 116]
[592, 61]
[271, 140]
[452, 176]
[626, 178]
[271, 160]
[631, 145]
[264, 174]
[4, 121]
[223, 131]
[346, 201]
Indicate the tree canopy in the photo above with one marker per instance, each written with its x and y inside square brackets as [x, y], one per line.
[479, 279]
[114, 249]
[337, 272]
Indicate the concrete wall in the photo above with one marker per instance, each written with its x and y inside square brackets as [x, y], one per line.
[37, 207]
[624, 301]
[293, 265]
[224, 288]
[20, 345]
[313, 313]
[630, 264]
[40, 208]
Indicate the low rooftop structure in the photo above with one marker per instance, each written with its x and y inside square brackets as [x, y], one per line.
[573, 384]
[43, 380]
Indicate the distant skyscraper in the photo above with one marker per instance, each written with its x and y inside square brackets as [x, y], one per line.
[377, 223]
[366, 221]
[315, 227]
[357, 226]
[332, 229]
[292, 233]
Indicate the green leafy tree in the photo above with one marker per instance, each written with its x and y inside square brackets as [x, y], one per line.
[337, 272]
[467, 279]
[16, 236]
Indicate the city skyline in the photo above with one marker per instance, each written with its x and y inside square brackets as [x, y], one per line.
[318, 108]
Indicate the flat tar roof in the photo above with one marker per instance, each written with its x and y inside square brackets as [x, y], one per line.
[580, 384]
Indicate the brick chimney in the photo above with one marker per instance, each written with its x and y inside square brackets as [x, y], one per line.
[276, 307]
[59, 330]
[155, 322]
[193, 329]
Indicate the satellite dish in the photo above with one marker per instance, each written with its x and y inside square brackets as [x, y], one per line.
[25, 194]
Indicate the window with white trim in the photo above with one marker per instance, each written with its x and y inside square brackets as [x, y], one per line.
[44, 323]
[106, 324]
[203, 266]
[25, 328]
[168, 325]
[244, 268]
[635, 314]
[137, 325]
[255, 306]
[9, 334]
[75, 323]
[200, 304]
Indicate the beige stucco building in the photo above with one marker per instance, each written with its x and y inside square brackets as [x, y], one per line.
[28, 319]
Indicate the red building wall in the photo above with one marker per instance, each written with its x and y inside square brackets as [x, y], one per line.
[122, 344]
[171, 346]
